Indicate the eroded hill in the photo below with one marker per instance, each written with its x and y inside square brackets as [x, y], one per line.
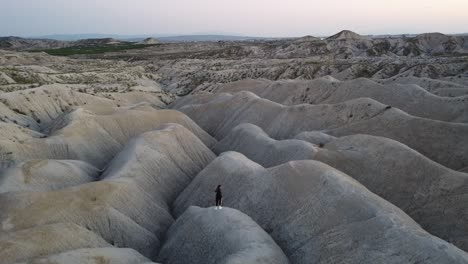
[349, 149]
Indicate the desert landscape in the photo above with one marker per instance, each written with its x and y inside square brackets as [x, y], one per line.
[341, 149]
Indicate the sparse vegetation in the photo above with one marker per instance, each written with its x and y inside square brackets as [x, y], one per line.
[69, 51]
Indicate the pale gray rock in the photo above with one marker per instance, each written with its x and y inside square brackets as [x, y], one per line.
[207, 235]
[251, 141]
[425, 190]
[347, 35]
[433, 195]
[121, 213]
[443, 142]
[130, 206]
[45, 175]
[318, 214]
[46, 103]
[64, 120]
[14, 116]
[96, 139]
[45, 240]
[452, 92]
[431, 85]
[410, 98]
[93, 256]
[161, 162]
[315, 137]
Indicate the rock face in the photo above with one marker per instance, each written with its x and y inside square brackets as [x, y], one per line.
[346, 35]
[93, 138]
[251, 141]
[410, 98]
[46, 239]
[443, 142]
[218, 236]
[307, 39]
[17, 43]
[94, 256]
[422, 188]
[50, 102]
[173, 152]
[315, 137]
[45, 175]
[150, 41]
[349, 149]
[317, 214]
[128, 207]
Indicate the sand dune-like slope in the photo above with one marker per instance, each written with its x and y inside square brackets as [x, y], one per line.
[340, 155]
[431, 194]
[38, 107]
[315, 137]
[45, 175]
[16, 133]
[136, 97]
[443, 142]
[15, 118]
[129, 206]
[95, 139]
[431, 85]
[408, 97]
[26, 70]
[205, 235]
[118, 212]
[346, 35]
[318, 214]
[452, 92]
[161, 163]
[254, 143]
[46, 103]
[46, 239]
[93, 256]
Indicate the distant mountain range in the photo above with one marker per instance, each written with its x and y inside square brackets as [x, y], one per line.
[56, 41]
[206, 38]
[348, 43]
[202, 36]
[73, 37]
[160, 37]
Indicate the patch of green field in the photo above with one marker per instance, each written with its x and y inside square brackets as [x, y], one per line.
[94, 49]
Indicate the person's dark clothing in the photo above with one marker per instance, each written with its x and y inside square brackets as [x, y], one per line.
[219, 197]
[218, 201]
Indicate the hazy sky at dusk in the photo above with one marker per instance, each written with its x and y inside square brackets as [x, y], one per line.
[247, 17]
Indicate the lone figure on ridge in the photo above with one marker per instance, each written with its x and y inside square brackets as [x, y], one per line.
[219, 198]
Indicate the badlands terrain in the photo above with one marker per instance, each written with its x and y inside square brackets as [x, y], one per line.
[346, 149]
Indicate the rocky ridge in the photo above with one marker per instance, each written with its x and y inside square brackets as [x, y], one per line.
[327, 152]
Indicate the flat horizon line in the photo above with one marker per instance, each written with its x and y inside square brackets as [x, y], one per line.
[163, 35]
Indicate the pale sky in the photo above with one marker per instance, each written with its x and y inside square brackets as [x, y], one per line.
[274, 18]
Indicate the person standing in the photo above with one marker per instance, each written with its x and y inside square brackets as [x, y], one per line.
[219, 198]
